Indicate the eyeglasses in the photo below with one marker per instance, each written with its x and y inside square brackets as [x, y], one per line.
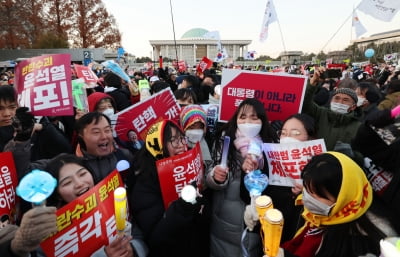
[175, 141]
[290, 133]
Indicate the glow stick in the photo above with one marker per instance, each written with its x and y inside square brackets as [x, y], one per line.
[225, 151]
[120, 209]
[36, 187]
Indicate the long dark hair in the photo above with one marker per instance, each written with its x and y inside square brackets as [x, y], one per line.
[54, 167]
[229, 129]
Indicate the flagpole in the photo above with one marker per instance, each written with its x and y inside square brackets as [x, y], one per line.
[336, 32]
[280, 30]
[173, 29]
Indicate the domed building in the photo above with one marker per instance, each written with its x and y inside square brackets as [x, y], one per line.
[195, 44]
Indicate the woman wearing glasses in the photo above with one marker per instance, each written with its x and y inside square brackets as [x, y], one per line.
[181, 229]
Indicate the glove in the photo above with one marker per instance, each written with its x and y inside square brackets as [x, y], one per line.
[37, 224]
[7, 233]
[250, 218]
[395, 111]
[23, 123]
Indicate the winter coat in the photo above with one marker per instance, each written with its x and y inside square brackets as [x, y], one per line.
[181, 230]
[332, 126]
[389, 102]
[227, 224]
[121, 96]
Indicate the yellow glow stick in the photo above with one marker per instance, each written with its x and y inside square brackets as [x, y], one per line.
[120, 209]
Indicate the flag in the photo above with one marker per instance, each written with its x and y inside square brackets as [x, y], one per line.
[250, 55]
[269, 17]
[383, 10]
[360, 29]
[222, 55]
[214, 35]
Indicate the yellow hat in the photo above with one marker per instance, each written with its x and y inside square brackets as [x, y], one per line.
[155, 138]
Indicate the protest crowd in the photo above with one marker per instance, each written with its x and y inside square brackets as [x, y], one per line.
[328, 145]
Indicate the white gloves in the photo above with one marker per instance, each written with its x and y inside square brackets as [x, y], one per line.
[250, 218]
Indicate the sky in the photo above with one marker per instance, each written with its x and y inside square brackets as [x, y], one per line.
[310, 26]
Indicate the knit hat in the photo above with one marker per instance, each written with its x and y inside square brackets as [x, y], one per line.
[95, 98]
[112, 80]
[192, 114]
[347, 91]
[155, 138]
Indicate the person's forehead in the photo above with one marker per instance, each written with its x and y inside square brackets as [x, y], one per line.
[4, 102]
[102, 122]
[340, 95]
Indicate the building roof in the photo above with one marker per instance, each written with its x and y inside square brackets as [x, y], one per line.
[194, 33]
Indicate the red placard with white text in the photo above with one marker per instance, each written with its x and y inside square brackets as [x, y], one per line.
[141, 116]
[8, 183]
[44, 85]
[281, 94]
[287, 160]
[87, 74]
[87, 223]
[180, 170]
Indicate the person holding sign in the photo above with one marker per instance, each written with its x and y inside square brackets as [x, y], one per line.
[73, 180]
[248, 125]
[178, 228]
[338, 211]
[296, 128]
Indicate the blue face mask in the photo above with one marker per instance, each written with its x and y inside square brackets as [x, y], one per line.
[315, 206]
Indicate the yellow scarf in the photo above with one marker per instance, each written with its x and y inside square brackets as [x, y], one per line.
[354, 198]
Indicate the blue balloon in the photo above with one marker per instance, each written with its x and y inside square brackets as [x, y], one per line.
[369, 52]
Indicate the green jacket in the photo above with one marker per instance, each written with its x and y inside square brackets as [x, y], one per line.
[331, 126]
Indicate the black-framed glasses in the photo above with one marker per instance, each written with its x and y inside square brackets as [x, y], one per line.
[175, 141]
[290, 133]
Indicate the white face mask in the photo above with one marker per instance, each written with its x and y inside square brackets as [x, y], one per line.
[360, 101]
[194, 135]
[315, 206]
[109, 113]
[339, 108]
[285, 140]
[249, 129]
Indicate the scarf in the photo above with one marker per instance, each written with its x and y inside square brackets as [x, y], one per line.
[354, 199]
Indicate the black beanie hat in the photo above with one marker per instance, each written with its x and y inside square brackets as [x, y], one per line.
[112, 80]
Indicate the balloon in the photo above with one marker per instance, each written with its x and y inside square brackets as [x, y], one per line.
[369, 52]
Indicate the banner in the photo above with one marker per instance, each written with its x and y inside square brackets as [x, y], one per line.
[44, 85]
[87, 223]
[287, 160]
[79, 95]
[358, 26]
[8, 183]
[180, 170]
[269, 17]
[142, 115]
[383, 10]
[281, 94]
[86, 73]
[204, 64]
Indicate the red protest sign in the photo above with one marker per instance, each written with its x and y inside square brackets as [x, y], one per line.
[287, 160]
[44, 85]
[8, 183]
[87, 223]
[204, 64]
[177, 171]
[87, 74]
[281, 94]
[142, 115]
